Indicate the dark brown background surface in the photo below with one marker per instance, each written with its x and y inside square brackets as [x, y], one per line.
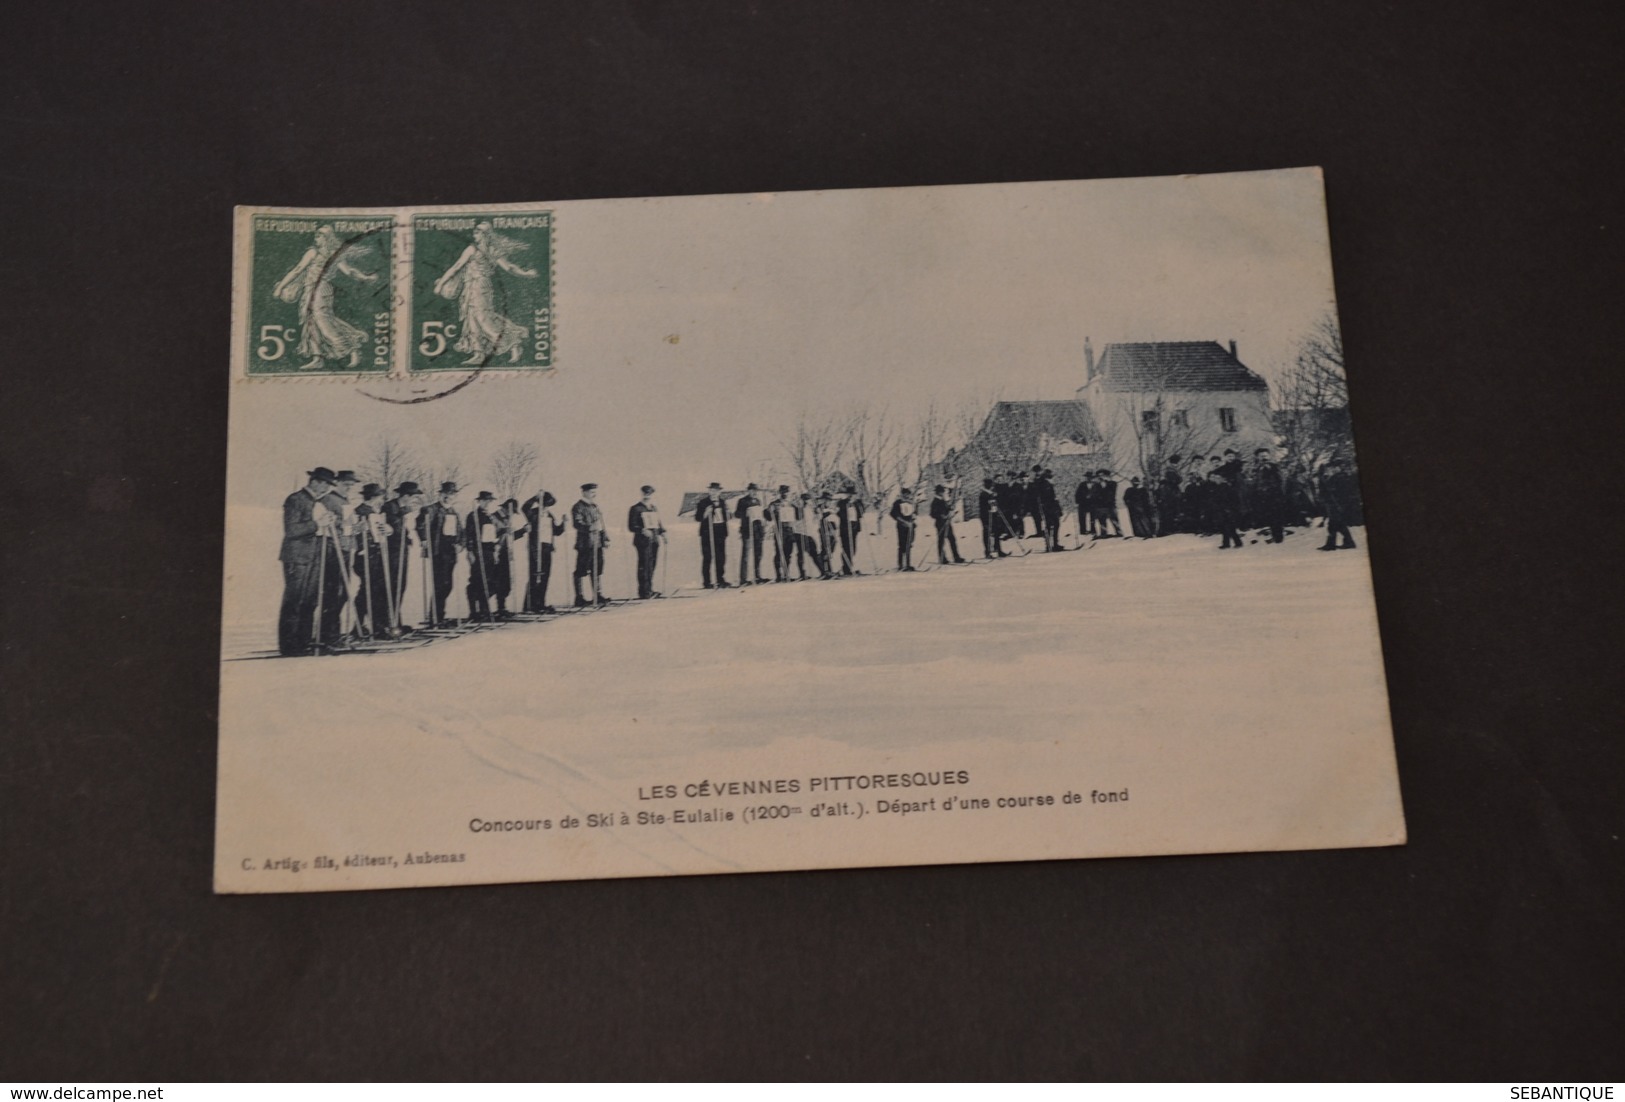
[1473, 166]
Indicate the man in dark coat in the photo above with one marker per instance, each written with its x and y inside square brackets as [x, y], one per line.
[1170, 498]
[748, 512]
[398, 515]
[440, 535]
[373, 603]
[942, 514]
[648, 533]
[782, 522]
[1266, 495]
[987, 512]
[849, 518]
[1106, 504]
[338, 587]
[1224, 499]
[1340, 495]
[1049, 509]
[591, 539]
[1084, 498]
[712, 513]
[1137, 500]
[303, 542]
[482, 539]
[542, 526]
[904, 513]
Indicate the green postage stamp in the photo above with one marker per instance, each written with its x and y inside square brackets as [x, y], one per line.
[320, 296]
[395, 293]
[482, 291]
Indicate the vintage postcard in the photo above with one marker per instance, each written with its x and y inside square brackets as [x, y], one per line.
[793, 531]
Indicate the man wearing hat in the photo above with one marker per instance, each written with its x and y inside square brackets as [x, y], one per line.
[373, 599]
[849, 515]
[748, 511]
[942, 514]
[782, 515]
[648, 533]
[829, 533]
[439, 533]
[712, 514]
[903, 511]
[591, 539]
[302, 544]
[987, 512]
[482, 539]
[808, 539]
[544, 526]
[398, 512]
[338, 587]
[1340, 498]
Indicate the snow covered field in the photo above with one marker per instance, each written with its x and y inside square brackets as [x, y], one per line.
[1236, 696]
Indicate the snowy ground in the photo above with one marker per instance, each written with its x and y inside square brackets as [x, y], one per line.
[1238, 696]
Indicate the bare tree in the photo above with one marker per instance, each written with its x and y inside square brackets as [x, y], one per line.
[1312, 401]
[814, 449]
[390, 463]
[511, 467]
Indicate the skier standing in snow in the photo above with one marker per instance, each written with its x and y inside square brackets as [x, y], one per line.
[591, 539]
[439, 533]
[398, 512]
[337, 588]
[942, 513]
[849, 517]
[544, 527]
[302, 546]
[482, 539]
[748, 511]
[648, 533]
[372, 591]
[712, 514]
[987, 512]
[903, 511]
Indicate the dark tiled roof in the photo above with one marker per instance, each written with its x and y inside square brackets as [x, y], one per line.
[1174, 365]
[1066, 419]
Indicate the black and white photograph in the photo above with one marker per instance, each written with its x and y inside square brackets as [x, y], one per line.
[901, 526]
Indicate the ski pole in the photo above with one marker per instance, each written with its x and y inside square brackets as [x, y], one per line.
[321, 586]
[366, 571]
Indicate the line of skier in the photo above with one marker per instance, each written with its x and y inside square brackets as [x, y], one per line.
[346, 555]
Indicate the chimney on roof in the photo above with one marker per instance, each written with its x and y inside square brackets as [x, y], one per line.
[1088, 360]
[1233, 355]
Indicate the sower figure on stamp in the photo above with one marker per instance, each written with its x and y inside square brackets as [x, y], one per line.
[482, 538]
[483, 332]
[942, 513]
[748, 511]
[591, 539]
[373, 599]
[323, 335]
[398, 515]
[338, 588]
[301, 552]
[712, 514]
[439, 534]
[903, 512]
[648, 533]
[544, 527]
